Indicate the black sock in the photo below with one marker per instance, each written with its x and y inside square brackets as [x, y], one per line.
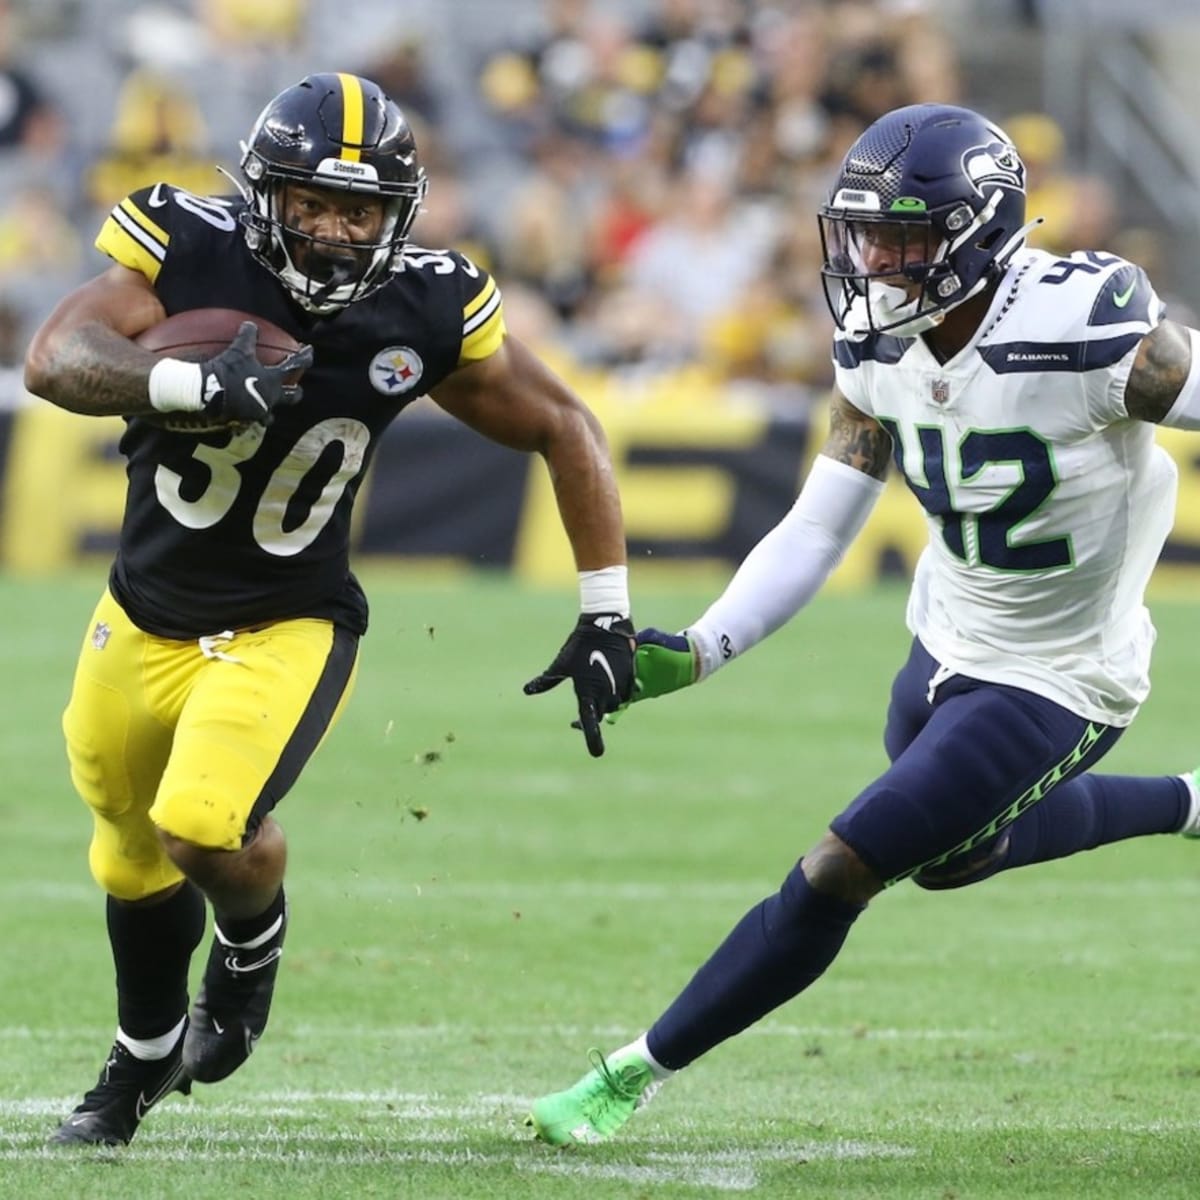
[151, 947]
[241, 930]
[775, 951]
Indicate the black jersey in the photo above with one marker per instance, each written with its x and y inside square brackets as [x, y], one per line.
[229, 530]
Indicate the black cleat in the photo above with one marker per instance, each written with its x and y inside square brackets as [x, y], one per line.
[230, 1011]
[128, 1088]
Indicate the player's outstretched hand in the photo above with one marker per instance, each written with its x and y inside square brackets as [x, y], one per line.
[236, 387]
[598, 659]
[664, 662]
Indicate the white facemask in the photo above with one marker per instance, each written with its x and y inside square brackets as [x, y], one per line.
[888, 304]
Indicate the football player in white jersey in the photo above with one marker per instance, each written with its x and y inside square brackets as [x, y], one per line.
[1017, 393]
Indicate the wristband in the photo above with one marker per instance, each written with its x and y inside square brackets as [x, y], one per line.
[174, 386]
[605, 591]
[709, 649]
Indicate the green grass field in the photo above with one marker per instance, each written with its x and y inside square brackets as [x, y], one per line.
[476, 902]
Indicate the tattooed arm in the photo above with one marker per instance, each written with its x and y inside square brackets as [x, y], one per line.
[82, 358]
[857, 440]
[1160, 370]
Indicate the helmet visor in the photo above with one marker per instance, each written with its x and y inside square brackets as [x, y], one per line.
[859, 249]
[880, 267]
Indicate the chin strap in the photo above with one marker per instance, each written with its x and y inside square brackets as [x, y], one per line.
[337, 276]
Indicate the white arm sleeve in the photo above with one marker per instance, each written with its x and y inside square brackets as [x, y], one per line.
[1185, 412]
[787, 568]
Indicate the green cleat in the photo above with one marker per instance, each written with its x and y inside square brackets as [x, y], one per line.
[598, 1105]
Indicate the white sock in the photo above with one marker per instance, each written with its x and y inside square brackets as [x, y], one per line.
[149, 1049]
[642, 1050]
[1192, 822]
[254, 943]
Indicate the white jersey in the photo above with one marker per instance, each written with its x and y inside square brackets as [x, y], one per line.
[1047, 504]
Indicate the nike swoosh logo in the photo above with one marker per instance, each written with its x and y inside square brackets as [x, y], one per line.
[157, 199]
[597, 657]
[1122, 298]
[232, 965]
[146, 1103]
[252, 388]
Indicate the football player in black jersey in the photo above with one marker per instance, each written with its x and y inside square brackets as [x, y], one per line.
[226, 641]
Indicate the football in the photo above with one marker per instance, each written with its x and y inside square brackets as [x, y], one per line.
[201, 333]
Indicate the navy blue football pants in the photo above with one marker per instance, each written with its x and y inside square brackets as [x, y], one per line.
[983, 778]
[967, 762]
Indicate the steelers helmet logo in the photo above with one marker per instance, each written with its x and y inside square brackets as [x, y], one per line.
[395, 370]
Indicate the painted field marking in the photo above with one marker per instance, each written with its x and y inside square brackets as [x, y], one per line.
[726, 1170]
[631, 891]
[456, 1033]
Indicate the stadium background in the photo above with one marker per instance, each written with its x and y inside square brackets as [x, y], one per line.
[476, 900]
[640, 175]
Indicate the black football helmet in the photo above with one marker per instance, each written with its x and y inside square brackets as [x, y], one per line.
[330, 131]
[945, 189]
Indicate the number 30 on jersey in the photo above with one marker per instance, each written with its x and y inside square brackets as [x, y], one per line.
[225, 481]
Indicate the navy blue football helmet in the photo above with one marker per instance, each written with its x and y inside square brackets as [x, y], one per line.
[330, 131]
[927, 210]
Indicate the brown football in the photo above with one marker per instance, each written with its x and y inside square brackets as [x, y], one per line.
[201, 333]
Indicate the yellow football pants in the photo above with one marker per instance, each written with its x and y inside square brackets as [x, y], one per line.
[198, 738]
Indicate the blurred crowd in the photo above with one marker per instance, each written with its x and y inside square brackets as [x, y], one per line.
[642, 178]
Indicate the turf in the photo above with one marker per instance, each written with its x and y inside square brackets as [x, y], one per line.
[476, 902]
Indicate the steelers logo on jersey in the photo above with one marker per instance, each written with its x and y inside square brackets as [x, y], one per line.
[396, 369]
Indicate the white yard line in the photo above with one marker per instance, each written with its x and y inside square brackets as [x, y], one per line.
[587, 1034]
[715, 1171]
[399, 1134]
[187, 1121]
[633, 891]
[456, 1033]
[713, 1179]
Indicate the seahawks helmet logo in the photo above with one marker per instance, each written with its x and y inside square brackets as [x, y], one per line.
[996, 164]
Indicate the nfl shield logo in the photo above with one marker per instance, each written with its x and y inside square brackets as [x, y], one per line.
[939, 391]
[100, 635]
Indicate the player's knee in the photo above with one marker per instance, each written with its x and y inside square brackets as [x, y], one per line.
[123, 881]
[833, 868]
[130, 877]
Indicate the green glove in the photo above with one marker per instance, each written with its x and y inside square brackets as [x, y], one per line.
[663, 662]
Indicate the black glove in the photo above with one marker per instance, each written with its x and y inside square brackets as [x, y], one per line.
[598, 659]
[236, 387]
